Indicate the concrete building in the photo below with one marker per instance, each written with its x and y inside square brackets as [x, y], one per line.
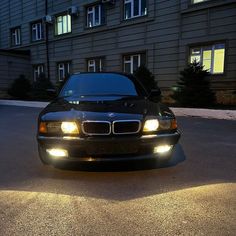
[67, 36]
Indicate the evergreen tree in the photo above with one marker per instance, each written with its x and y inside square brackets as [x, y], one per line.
[193, 89]
[146, 78]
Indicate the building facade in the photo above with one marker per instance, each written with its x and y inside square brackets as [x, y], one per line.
[69, 36]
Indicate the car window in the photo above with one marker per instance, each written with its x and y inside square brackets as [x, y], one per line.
[101, 84]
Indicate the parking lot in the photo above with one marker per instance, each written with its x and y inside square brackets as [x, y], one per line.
[193, 196]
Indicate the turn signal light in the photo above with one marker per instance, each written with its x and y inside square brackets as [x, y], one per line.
[173, 124]
[42, 127]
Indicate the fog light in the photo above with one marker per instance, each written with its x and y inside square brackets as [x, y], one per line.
[56, 152]
[162, 148]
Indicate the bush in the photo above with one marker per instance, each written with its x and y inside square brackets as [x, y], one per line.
[193, 89]
[41, 88]
[146, 78]
[20, 88]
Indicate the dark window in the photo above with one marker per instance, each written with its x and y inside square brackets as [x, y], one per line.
[64, 69]
[95, 15]
[95, 64]
[38, 70]
[131, 62]
[101, 84]
[16, 36]
[134, 8]
[37, 31]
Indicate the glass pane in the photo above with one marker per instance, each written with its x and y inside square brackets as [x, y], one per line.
[106, 84]
[90, 20]
[136, 8]
[68, 23]
[127, 67]
[219, 59]
[195, 58]
[195, 51]
[207, 55]
[59, 27]
[127, 10]
[97, 15]
[65, 25]
[143, 7]
[136, 62]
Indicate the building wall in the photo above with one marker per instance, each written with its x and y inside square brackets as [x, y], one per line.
[11, 67]
[166, 34]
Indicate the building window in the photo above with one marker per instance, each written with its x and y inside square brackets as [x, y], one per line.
[198, 1]
[212, 57]
[38, 71]
[37, 31]
[95, 64]
[63, 70]
[132, 62]
[63, 24]
[16, 36]
[134, 8]
[95, 16]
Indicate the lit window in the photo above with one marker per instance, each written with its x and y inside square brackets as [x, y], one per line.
[132, 62]
[16, 36]
[37, 31]
[38, 71]
[198, 1]
[95, 65]
[63, 70]
[211, 57]
[95, 16]
[63, 24]
[134, 8]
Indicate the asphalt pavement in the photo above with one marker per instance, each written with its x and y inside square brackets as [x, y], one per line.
[195, 195]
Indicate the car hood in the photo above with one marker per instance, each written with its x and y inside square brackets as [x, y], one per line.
[108, 108]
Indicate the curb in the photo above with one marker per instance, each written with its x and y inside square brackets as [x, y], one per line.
[203, 113]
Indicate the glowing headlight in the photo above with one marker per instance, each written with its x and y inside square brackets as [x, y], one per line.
[151, 125]
[69, 128]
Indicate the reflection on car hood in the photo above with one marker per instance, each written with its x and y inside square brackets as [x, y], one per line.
[95, 107]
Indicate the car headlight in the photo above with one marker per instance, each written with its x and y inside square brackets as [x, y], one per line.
[52, 127]
[69, 128]
[151, 125]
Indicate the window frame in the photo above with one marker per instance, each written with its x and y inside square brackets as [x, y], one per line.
[65, 64]
[212, 46]
[41, 31]
[194, 3]
[141, 55]
[101, 14]
[132, 16]
[94, 64]
[38, 67]
[16, 34]
[62, 26]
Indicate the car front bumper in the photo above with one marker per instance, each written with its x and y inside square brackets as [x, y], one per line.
[108, 148]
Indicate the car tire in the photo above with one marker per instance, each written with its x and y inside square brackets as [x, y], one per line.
[43, 155]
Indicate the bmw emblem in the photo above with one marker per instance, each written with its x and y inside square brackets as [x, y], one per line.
[111, 115]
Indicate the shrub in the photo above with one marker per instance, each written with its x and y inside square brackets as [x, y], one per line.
[20, 88]
[41, 88]
[193, 89]
[146, 78]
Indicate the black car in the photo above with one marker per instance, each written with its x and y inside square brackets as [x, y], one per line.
[106, 117]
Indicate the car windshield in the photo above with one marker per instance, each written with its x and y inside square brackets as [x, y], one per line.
[101, 84]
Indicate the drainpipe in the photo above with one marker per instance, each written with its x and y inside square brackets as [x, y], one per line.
[46, 41]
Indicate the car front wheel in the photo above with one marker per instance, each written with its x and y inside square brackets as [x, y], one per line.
[43, 155]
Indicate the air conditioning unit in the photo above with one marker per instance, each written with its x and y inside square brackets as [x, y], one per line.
[73, 11]
[48, 19]
[112, 2]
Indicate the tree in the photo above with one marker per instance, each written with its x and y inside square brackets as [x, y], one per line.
[146, 78]
[41, 88]
[20, 88]
[193, 89]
